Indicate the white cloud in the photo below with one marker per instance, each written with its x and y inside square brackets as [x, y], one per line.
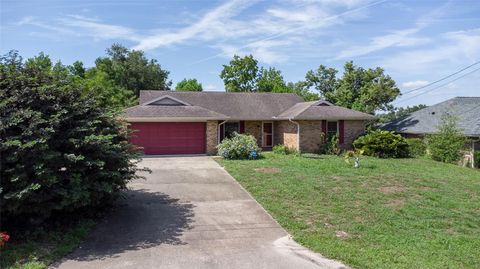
[97, 29]
[77, 25]
[414, 84]
[211, 25]
[270, 34]
[398, 38]
[451, 49]
[266, 35]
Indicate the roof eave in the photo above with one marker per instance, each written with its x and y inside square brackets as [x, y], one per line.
[173, 119]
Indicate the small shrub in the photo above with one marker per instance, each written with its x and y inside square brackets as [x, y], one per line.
[331, 146]
[382, 144]
[417, 147]
[283, 150]
[239, 147]
[446, 145]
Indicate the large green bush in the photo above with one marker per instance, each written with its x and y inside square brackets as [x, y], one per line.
[60, 151]
[417, 147]
[446, 145]
[382, 144]
[240, 146]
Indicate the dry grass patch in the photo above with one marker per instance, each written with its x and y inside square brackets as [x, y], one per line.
[392, 189]
[268, 170]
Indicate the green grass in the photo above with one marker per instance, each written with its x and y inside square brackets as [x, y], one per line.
[42, 248]
[390, 213]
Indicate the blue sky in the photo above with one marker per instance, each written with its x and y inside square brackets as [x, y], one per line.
[416, 42]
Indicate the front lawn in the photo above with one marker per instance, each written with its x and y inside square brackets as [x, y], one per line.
[390, 213]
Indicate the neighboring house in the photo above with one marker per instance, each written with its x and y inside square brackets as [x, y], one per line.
[169, 122]
[426, 121]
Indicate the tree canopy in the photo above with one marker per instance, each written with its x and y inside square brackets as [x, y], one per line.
[241, 74]
[131, 70]
[189, 85]
[367, 90]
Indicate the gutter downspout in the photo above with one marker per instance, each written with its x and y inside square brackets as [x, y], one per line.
[298, 133]
[218, 131]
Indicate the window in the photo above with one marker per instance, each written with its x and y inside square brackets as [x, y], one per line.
[332, 128]
[230, 128]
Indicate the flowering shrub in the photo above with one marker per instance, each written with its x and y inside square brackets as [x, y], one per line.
[240, 146]
[4, 237]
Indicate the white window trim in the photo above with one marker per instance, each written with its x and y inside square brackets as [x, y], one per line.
[263, 140]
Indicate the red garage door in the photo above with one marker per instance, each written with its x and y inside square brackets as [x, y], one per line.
[169, 137]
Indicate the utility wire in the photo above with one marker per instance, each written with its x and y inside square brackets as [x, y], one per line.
[440, 86]
[442, 79]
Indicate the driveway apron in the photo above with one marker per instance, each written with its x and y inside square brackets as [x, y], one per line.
[190, 213]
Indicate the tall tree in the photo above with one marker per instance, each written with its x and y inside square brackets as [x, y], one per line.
[241, 74]
[130, 69]
[367, 90]
[271, 80]
[189, 85]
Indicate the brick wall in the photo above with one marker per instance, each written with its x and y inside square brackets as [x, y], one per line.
[310, 136]
[285, 132]
[212, 137]
[353, 129]
[254, 128]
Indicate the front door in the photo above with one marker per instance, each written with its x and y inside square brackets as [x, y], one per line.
[267, 137]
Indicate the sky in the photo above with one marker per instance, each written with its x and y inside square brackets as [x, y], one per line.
[416, 42]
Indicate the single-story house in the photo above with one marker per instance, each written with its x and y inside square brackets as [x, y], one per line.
[169, 122]
[426, 121]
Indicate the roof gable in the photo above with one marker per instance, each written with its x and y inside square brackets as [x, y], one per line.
[166, 100]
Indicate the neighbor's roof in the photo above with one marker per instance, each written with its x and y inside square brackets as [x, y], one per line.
[322, 110]
[426, 121]
[237, 106]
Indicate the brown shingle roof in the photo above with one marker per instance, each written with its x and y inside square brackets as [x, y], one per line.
[313, 111]
[237, 106]
[154, 111]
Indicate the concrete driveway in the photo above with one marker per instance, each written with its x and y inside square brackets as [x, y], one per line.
[190, 213]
